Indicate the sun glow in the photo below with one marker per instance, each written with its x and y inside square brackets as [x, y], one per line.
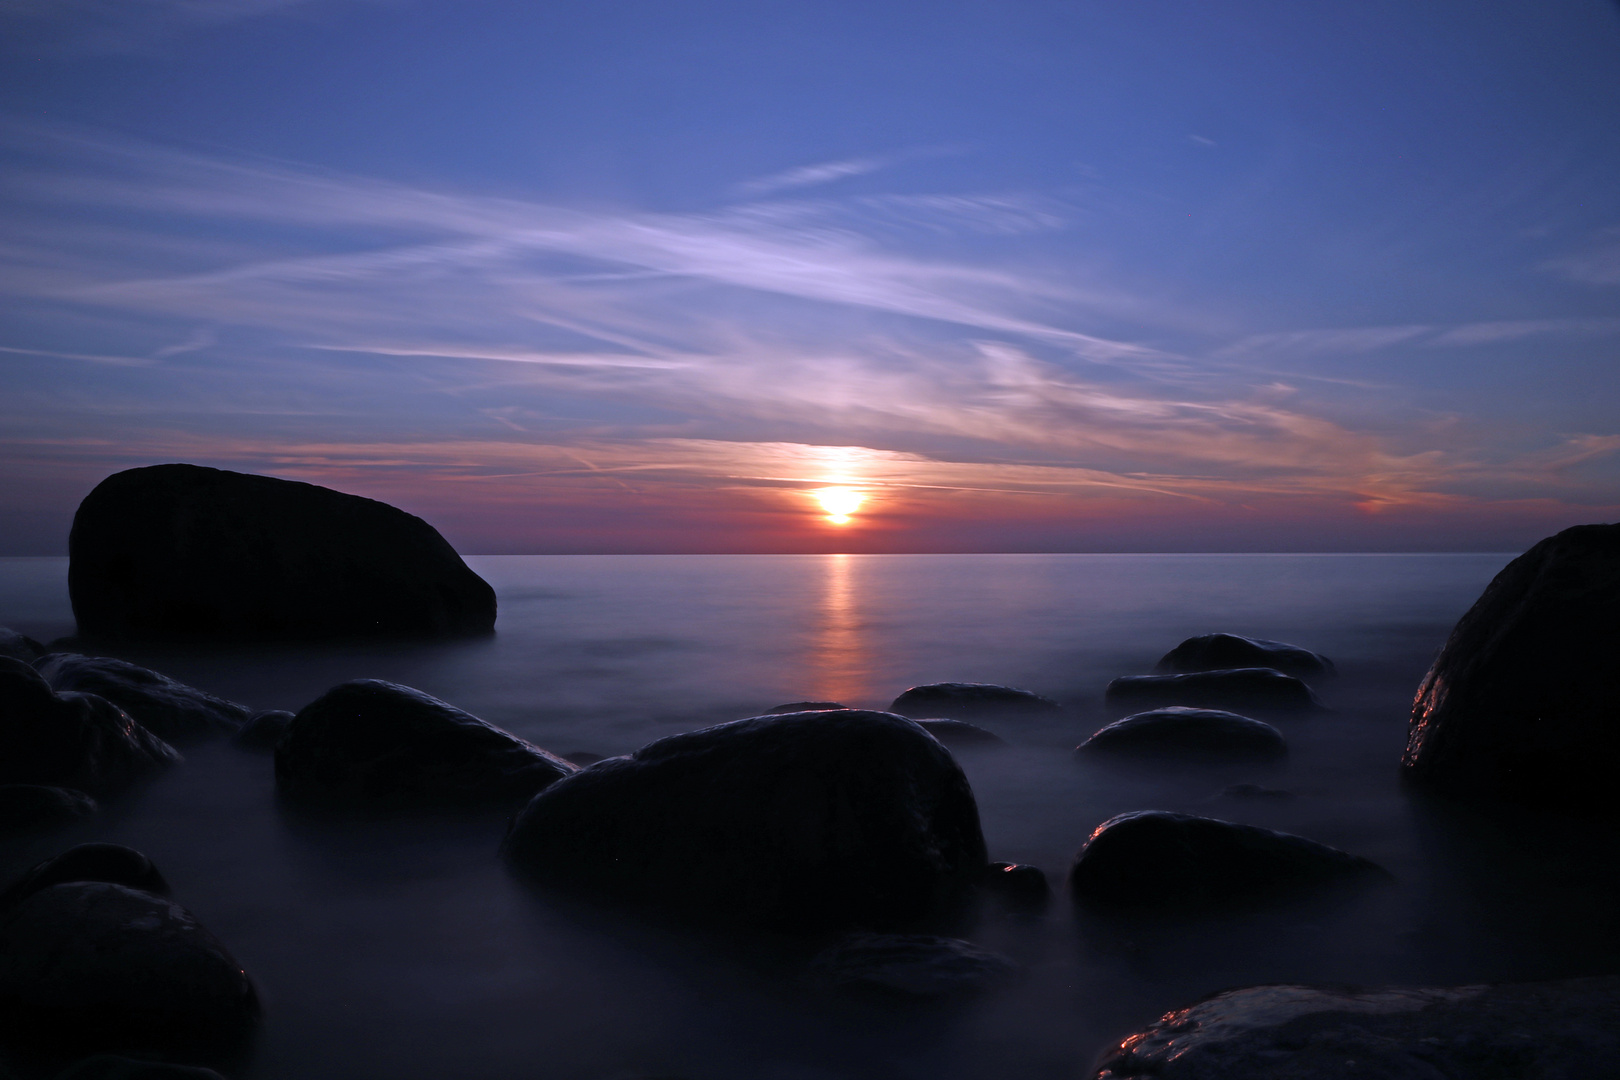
[839, 502]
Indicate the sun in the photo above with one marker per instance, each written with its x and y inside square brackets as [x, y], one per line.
[839, 502]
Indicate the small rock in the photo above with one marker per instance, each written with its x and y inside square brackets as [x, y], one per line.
[19, 646]
[113, 1067]
[971, 701]
[1232, 688]
[111, 863]
[171, 710]
[960, 733]
[917, 966]
[1018, 885]
[1253, 791]
[804, 706]
[263, 730]
[1213, 652]
[1181, 732]
[26, 808]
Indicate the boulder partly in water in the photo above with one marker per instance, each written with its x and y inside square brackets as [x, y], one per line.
[186, 552]
[971, 701]
[907, 966]
[1179, 732]
[1214, 652]
[113, 864]
[1229, 688]
[1521, 704]
[37, 808]
[169, 709]
[799, 823]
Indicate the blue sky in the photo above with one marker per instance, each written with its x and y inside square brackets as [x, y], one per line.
[1058, 275]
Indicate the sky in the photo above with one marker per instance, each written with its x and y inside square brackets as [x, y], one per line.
[647, 275]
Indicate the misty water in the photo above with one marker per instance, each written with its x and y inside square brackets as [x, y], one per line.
[401, 948]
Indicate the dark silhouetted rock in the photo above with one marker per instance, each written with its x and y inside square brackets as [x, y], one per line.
[114, 1067]
[916, 966]
[89, 967]
[971, 701]
[1564, 1029]
[173, 711]
[1189, 734]
[1233, 688]
[805, 706]
[960, 733]
[114, 864]
[185, 552]
[1017, 885]
[800, 822]
[263, 730]
[71, 740]
[1157, 860]
[26, 808]
[19, 646]
[378, 744]
[1214, 652]
[1522, 702]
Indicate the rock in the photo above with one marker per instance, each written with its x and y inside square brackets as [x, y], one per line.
[377, 744]
[1520, 705]
[1199, 734]
[1569, 1028]
[111, 863]
[113, 1067]
[1017, 885]
[263, 730]
[1213, 652]
[1253, 791]
[583, 758]
[907, 966]
[185, 552]
[799, 822]
[173, 711]
[960, 733]
[70, 740]
[805, 706]
[1232, 688]
[90, 967]
[26, 808]
[19, 646]
[1156, 860]
[973, 701]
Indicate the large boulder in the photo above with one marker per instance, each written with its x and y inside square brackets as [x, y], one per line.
[370, 743]
[111, 863]
[171, 710]
[798, 822]
[971, 701]
[1155, 860]
[1231, 688]
[1523, 702]
[1213, 652]
[70, 740]
[87, 967]
[1189, 734]
[1569, 1028]
[185, 552]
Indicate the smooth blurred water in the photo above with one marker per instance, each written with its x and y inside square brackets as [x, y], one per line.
[403, 950]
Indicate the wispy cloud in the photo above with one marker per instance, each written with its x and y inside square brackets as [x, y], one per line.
[126, 25]
[1598, 263]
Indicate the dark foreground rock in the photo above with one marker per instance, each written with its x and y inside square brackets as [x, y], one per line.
[169, 709]
[915, 966]
[1189, 734]
[1547, 1031]
[370, 743]
[971, 701]
[91, 967]
[801, 823]
[70, 740]
[960, 733]
[19, 646]
[263, 730]
[1520, 705]
[1232, 688]
[185, 552]
[26, 808]
[113, 864]
[1154, 860]
[1214, 652]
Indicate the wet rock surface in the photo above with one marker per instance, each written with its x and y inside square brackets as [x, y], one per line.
[1566, 1029]
[19, 646]
[971, 701]
[801, 823]
[27, 808]
[370, 743]
[1231, 688]
[1520, 703]
[960, 733]
[70, 740]
[263, 730]
[1213, 652]
[1155, 860]
[186, 552]
[114, 864]
[1185, 733]
[907, 966]
[87, 967]
[169, 709]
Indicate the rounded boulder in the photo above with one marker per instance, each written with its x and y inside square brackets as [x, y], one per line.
[1189, 734]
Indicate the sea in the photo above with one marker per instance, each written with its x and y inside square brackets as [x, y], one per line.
[402, 948]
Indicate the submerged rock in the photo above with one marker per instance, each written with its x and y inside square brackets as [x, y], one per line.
[1521, 703]
[263, 730]
[1018, 885]
[87, 967]
[804, 706]
[169, 709]
[1569, 1028]
[70, 740]
[972, 701]
[28, 808]
[370, 743]
[1231, 688]
[186, 552]
[19, 646]
[917, 966]
[801, 822]
[1181, 732]
[1214, 652]
[960, 733]
[111, 863]
[116, 1067]
[1154, 860]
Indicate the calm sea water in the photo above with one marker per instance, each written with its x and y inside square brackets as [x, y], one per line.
[402, 949]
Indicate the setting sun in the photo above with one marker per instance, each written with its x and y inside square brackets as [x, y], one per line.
[839, 502]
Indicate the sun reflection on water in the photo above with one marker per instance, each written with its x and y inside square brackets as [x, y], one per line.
[839, 664]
